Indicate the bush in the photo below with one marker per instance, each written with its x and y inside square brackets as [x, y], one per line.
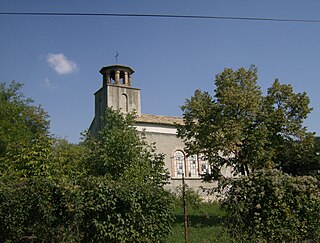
[107, 189]
[125, 212]
[193, 198]
[274, 207]
[39, 209]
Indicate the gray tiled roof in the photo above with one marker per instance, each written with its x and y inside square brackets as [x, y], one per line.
[156, 119]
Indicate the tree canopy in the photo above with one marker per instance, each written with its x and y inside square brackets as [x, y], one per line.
[119, 163]
[274, 196]
[24, 132]
[251, 130]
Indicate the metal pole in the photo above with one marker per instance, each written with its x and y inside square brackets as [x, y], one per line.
[185, 223]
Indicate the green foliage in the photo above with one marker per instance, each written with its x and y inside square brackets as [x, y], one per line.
[262, 137]
[193, 198]
[24, 140]
[40, 209]
[21, 122]
[125, 211]
[121, 153]
[300, 157]
[32, 159]
[205, 224]
[26, 147]
[124, 195]
[269, 206]
[38, 201]
[67, 159]
[107, 189]
[250, 130]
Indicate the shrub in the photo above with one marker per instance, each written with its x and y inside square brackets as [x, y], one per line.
[125, 212]
[269, 206]
[39, 209]
[193, 198]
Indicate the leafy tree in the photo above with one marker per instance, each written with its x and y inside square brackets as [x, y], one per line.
[106, 189]
[300, 157]
[240, 127]
[124, 195]
[120, 152]
[26, 146]
[119, 211]
[23, 132]
[263, 139]
[37, 202]
[67, 158]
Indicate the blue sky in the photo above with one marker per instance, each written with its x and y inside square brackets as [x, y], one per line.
[59, 58]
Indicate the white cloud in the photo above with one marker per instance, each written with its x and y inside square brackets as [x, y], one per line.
[61, 64]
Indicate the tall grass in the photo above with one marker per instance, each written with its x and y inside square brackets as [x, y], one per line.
[205, 224]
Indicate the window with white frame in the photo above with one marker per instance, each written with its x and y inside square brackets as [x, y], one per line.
[179, 163]
[205, 166]
[193, 166]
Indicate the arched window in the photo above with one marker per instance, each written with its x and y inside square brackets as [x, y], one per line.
[178, 164]
[100, 107]
[124, 103]
[193, 166]
[122, 79]
[205, 166]
[112, 77]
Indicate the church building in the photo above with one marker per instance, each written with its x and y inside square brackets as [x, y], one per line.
[117, 92]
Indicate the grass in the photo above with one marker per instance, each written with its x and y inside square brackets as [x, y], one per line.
[204, 224]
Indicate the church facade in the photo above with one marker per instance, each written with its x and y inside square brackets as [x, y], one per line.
[117, 92]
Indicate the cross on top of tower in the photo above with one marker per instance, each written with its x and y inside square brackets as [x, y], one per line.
[116, 56]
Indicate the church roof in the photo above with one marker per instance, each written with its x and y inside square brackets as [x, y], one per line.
[157, 119]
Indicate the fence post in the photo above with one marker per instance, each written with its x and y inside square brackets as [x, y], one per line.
[185, 222]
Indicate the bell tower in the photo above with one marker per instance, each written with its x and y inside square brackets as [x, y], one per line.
[116, 92]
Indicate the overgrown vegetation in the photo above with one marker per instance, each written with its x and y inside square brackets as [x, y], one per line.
[270, 206]
[124, 196]
[107, 189]
[275, 194]
[205, 220]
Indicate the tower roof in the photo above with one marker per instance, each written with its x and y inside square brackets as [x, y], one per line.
[114, 67]
[117, 75]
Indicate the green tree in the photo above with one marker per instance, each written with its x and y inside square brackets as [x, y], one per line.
[24, 136]
[38, 200]
[241, 127]
[263, 139]
[67, 158]
[124, 196]
[107, 189]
